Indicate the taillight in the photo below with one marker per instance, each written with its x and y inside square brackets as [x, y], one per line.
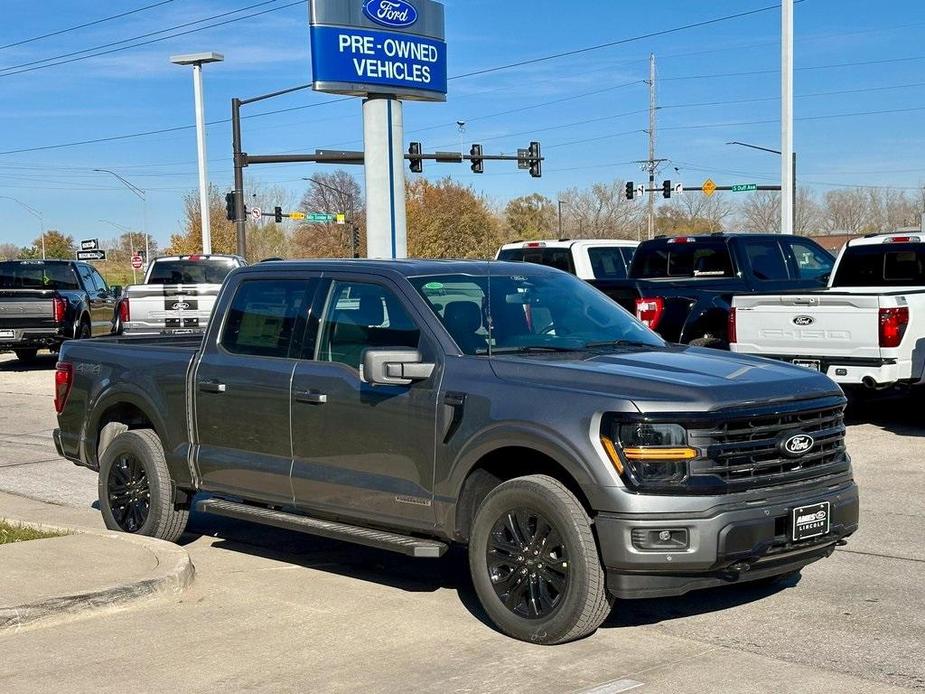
[125, 314]
[649, 311]
[731, 326]
[64, 377]
[893, 322]
[58, 306]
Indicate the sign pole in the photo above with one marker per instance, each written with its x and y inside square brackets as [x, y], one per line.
[383, 138]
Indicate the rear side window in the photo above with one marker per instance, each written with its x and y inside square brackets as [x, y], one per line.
[205, 271]
[267, 317]
[608, 263]
[690, 259]
[812, 261]
[559, 258]
[37, 274]
[893, 265]
[766, 259]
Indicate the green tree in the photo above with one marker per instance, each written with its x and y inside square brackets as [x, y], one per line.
[224, 239]
[449, 220]
[531, 216]
[57, 245]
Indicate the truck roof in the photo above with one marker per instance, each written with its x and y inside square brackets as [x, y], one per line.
[719, 235]
[888, 237]
[570, 243]
[407, 267]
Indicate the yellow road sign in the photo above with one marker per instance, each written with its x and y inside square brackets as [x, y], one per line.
[341, 218]
[709, 187]
[296, 215]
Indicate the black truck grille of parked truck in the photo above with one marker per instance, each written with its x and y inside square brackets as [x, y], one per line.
[505, 407]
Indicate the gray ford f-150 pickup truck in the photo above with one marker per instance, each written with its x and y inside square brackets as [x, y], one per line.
[506, 407]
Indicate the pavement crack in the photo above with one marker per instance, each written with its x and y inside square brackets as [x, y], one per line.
[882, 556]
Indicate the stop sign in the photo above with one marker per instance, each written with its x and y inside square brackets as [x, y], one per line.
[136, 262]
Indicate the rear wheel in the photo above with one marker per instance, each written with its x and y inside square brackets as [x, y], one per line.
[135, 490]
[534, 562]
[27, 356]
[83, 332]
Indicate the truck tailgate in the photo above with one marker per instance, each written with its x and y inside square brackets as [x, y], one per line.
[156, 308]
[825, 324]
[26, 308]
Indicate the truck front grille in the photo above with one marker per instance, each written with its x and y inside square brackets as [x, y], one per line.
[749, 452]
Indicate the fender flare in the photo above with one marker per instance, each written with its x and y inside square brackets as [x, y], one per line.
[118, 395]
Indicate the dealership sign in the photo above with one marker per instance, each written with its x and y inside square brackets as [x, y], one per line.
[393, 47]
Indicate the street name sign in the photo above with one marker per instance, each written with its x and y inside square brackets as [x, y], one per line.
[321, 218]
[91, 255]
[744, 187]
[90, 245]
[708, 187]
[394, 47]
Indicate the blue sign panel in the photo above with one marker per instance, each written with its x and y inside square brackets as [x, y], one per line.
[350, 60]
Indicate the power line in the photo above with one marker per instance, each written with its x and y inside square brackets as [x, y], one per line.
[619, 42]
[750, 73]
[12, 70]
[86, 24]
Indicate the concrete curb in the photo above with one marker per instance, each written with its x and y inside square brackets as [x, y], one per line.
[174, 572]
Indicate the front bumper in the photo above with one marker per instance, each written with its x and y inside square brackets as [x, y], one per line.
[744, 542]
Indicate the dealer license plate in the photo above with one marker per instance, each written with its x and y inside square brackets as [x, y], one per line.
[808, 364]
[810, 521]
[6, 334]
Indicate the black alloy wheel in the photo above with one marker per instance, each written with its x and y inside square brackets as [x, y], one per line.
[129, 493]
[528, 563]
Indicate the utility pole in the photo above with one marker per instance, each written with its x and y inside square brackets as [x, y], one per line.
[788, 190]
[653, 104]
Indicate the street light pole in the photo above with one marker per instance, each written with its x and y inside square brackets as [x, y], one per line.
[144, 209]
[197, 60]
[35, 213]
[560, 218]
[131, 242]
[793, 178]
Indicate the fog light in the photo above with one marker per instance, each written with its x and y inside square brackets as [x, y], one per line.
[660, 539]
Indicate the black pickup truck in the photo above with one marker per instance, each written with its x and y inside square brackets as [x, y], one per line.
[682, 287]
[510, 408]
[45, 302]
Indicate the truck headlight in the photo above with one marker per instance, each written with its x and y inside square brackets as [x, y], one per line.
[648, 454]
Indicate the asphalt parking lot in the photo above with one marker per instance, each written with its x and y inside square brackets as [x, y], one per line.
[274, 610]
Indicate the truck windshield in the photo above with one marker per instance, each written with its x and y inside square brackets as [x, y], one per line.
[37, 274]
[189, 271]
[681, 259]
[529, 312]
[882, 265]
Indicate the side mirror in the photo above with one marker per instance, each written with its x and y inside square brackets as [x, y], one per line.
[394, 367]
[115, 290]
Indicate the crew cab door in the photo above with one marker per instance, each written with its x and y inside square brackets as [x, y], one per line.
[242, 387]
[361, 451]
[100, 301]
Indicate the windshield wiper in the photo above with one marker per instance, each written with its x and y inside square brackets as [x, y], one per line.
[618, 343]
[526, 349]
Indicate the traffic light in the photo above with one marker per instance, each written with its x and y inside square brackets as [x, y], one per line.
[356, 241]
[666, 189]
[630, 190]
[278, 214]
[535, 159]
[417, 163]
[475, 156]
[229, 206]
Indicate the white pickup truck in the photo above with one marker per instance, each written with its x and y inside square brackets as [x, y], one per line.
[867, 327]
[591, 259]
[177, 295]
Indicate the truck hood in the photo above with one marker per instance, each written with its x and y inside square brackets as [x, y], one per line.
[675, 379]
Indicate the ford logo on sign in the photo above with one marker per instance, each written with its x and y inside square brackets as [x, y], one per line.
[391, 13]
[797, 445]
[804, 320]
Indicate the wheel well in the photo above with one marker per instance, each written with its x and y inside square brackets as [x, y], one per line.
[713, 322]
[504, 464]
[123, 413]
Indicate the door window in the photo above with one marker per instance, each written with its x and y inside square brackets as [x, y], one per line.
[98, 281]
[267, 317]
[361, 315]
[767, 259]
[86, 277]
[813, 262]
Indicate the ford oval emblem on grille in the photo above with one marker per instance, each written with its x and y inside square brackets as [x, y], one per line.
[391, 13]
[797, 445]
[804, 320]
[180, 306]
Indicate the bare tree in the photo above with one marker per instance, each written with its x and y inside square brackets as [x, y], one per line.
[693, 213]
[847, 210]
[333, 193]
[9, 251]
[761, 212]
[601, 211]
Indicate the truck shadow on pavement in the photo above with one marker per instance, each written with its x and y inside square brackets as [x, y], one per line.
[449, 572]
[899, 412]
[43, 362]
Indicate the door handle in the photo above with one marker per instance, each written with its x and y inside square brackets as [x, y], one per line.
[311, 397]
[211, 387]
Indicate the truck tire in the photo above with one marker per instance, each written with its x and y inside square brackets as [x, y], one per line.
[26, 356]
[135, 490]
[83, 332]
[534, 562]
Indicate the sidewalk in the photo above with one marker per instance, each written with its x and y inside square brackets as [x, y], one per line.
[88, 569]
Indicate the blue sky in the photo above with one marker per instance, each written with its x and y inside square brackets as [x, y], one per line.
[601, 100]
